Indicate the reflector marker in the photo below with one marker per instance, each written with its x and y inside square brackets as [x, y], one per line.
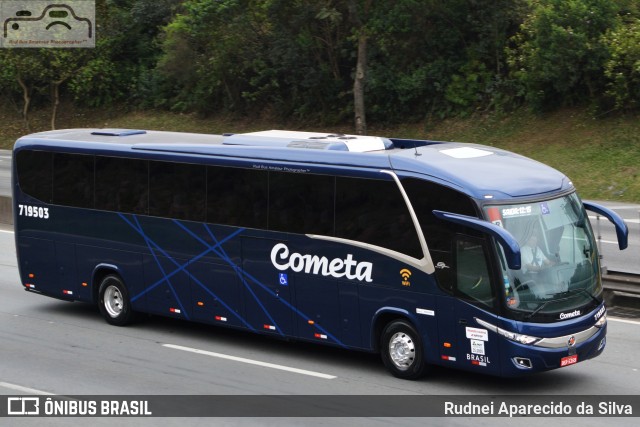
[221, 319]
[200, 304]
[85, 284]
[321, 336]
[449, 358]
[66, 292]
[269, 327]
[175, 310]
[30, 286]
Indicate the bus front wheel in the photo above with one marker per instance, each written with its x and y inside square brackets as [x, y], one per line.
[114, 301]
[401, 350]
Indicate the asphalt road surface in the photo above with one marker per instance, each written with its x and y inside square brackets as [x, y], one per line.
[51, 346]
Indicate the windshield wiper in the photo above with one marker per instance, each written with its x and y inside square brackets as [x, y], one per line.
[540, 307]
[567, 293]
[572, 291]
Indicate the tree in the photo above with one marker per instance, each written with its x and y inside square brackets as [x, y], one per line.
[126, 53]
[61, 65]
[358, 14]
[622, 69]
[558, 55]
[35, 70]
[26, 68]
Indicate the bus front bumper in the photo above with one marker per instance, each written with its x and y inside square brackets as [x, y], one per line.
[551, 353]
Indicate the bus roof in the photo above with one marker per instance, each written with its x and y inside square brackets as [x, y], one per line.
[482, 172]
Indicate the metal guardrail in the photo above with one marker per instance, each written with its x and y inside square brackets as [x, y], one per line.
[617, 281]
[622, 293]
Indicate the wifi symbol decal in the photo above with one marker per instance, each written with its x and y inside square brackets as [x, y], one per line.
[406, 275]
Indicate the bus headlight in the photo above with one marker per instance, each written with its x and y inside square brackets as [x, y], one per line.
[601, 321]
[522, 339]
[519, 338]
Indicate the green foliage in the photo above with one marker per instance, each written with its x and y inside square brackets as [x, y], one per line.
[623, 67]
[558, 55]
[241, 55]
[440, 58]
[126, 51]
[297, 58]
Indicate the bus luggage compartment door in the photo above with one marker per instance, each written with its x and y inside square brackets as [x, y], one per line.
[267, 294]
[167, 290]
[38, 266]
[216, 294]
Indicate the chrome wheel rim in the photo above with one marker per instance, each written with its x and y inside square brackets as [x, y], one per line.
[402, 350]
[113, 302]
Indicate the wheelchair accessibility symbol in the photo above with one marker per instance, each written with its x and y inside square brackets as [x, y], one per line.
[284, 281]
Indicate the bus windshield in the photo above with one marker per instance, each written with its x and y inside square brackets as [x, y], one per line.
[560, 274]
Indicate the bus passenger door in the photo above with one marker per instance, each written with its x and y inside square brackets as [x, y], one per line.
[463, 342]
[267, 291]
[478, 348]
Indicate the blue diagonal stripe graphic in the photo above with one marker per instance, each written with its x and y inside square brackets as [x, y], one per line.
[237, 270]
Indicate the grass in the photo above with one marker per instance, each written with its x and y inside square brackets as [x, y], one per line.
[601, 156]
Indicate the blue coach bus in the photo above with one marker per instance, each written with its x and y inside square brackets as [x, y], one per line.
[430, 253]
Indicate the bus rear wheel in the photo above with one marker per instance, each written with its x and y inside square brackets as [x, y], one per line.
[402, 351]
[114, 302]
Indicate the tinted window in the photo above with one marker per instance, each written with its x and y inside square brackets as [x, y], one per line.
[301, 203]
[237, 197]
[121, 185]
[177, 190]
[426, 197]
[73, 182]
[472, 274]
[373, 211]
[35, 172]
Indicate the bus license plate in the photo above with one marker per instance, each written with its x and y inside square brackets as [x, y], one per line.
[569, 360]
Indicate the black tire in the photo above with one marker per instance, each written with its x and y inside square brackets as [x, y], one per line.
[114, 302]
[402, 351]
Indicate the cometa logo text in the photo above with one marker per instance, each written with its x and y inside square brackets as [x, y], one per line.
[313, 264]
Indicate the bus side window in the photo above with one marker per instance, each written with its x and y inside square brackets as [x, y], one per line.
[237, 196]
[177, 190]
[122, 185]
[373, 211]
[73, 180]
[426, 196]
[301, 203]
[472, 275]
[35, 174]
